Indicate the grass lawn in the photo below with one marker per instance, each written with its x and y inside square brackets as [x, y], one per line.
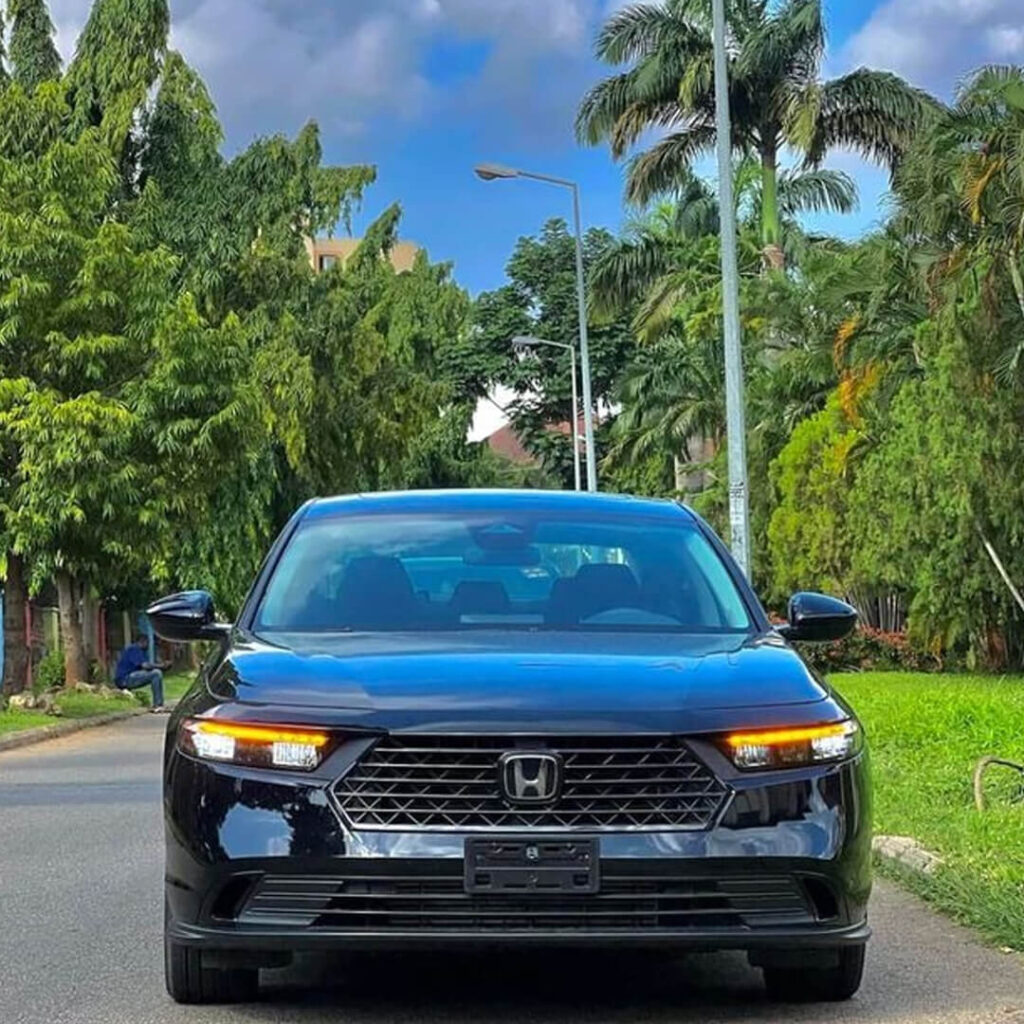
[15, 721]
[72, 705]
[175, 685]
[86, 705]
[926, 733]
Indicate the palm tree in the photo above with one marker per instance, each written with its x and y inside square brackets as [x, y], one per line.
[962, 205]
[653, 264]
[673, 403]
[777, 98]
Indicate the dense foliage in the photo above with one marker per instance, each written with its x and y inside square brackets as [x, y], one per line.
[776, 97]
[540, 301]
[883, 376]
[174, 376]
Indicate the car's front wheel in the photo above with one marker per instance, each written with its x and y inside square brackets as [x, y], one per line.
[818, 984]
[189, 981]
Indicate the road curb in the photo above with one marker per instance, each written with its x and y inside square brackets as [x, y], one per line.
[908, 853]
[51, 732]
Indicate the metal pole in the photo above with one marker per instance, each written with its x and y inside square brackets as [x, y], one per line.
[581, 295]
[575, 428]
[739, 497]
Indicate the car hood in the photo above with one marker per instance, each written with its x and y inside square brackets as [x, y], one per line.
[522, 681]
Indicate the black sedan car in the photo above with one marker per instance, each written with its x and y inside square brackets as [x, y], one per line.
[460, 718]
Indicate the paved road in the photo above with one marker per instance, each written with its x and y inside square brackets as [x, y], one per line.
[80, 912]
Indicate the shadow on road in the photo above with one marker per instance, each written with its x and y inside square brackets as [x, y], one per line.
[516, 986]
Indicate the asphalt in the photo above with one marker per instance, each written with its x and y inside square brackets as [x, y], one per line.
[80, 934]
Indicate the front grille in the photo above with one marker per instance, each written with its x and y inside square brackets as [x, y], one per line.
[451, 783]
[437, 902]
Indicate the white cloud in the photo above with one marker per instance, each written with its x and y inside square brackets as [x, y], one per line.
[1007, 40]
[933, 43]
[272, 64]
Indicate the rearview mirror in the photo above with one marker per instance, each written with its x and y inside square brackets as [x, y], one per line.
[818, 618]
[187, 616]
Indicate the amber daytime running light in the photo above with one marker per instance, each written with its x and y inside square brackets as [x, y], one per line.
[793, 747]
[258, 746]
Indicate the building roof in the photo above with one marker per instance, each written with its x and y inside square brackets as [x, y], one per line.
[505, 441]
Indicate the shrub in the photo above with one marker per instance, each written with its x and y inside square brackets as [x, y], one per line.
[867, 648]
[49, 673]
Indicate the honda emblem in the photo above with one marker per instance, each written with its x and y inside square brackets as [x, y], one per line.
[530, 777]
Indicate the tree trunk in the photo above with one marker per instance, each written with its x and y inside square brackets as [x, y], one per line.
[771, 224]
[90, 624]
[16, 640]
[76, 667]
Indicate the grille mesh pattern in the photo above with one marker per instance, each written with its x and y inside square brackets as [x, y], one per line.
[610, 782]
[438, 903]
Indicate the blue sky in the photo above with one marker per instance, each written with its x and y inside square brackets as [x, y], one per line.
[424, 89]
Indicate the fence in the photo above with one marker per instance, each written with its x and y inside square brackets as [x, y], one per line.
[106, 630]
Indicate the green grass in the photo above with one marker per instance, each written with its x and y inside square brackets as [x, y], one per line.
[87, 705]
[176, 685]
[15, 721]
[926, 734]
[72, 705]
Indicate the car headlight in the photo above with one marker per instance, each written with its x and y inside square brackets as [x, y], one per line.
[795, 746]
[257, 746]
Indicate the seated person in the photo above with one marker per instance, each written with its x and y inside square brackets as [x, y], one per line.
[134, 671]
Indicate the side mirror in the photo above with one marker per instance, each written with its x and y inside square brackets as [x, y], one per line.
[818, 618]
[187, 616]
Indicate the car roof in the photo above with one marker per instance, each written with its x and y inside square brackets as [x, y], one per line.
[450, 501]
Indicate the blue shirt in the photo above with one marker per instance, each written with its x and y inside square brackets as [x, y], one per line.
[133, 657]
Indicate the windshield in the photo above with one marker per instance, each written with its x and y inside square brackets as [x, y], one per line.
[430, 572]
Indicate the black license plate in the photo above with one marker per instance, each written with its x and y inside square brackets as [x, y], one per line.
[532, 866]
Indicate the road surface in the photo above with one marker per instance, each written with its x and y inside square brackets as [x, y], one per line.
[80, 934]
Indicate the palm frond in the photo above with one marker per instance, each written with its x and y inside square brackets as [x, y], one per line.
[817, 191]
[620, 109]
[662, 168]
[636, 32]
[874, 112]
[785, 46]
[625, 271]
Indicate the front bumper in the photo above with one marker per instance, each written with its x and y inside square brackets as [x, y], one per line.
[262, 862]
[278, 940]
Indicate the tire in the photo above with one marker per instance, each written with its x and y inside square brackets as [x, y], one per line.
[818, 984]
[188, 981]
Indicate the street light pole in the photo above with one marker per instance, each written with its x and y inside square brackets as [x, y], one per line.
[526, 342]
[581, 299]
[574, 431]
[491, 172]
[736, 429]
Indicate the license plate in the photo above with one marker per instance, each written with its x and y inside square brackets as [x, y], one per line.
[531, 866]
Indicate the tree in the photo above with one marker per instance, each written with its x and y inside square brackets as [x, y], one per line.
[174, 376]
[810, 542]
[33, 56]
[117, 62]
[541, 300]
[777, 98]
[649, 264]
[122, 409]
[76, 301]
[962, 193]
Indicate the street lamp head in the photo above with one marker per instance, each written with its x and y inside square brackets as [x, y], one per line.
[522, 344]
[489, 172]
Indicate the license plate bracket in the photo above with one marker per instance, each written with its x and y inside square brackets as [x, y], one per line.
[536, 866]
